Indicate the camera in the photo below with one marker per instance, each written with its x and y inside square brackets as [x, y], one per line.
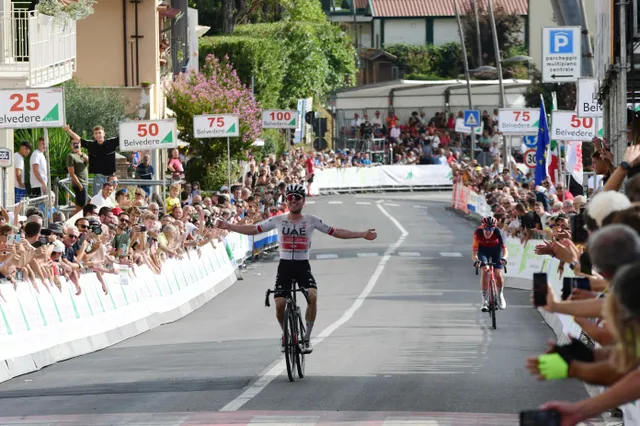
[142, 228]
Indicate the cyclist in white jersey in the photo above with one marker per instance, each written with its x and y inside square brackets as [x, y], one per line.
[295, 231]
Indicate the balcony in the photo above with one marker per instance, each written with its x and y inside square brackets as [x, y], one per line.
[37, 47]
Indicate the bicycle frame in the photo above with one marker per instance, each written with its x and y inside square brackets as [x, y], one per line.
[493, 289]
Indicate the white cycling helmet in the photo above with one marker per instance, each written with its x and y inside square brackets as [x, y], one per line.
[295, 188]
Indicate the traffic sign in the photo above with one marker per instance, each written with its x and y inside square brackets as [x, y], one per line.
[518, 121]
[530, 141]
[461, 128]
[588, 105]
[561, 54]
[32, 108]
[279, 119]
[530, 158]
[6, 157]
[216, 126]
[145, 135]
[567, 126]
[471, 118]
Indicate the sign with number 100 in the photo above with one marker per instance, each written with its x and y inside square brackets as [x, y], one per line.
[279, 119]
[567, 126]
[216, 126]
[518, 121]
[32, 108]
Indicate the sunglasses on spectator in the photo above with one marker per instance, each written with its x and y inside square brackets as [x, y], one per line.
[296, 197]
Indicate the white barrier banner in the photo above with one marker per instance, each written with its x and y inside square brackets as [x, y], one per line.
[378, 176]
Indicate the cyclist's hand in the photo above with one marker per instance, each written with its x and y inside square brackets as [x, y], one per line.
[503, 261]
[370, 235]
[477, 264]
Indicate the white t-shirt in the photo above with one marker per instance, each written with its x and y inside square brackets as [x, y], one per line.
[100, 201]
[38, 158]
[18, 164]
[377, 121]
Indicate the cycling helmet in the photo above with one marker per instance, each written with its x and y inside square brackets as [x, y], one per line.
[295, 188]
[489, 222]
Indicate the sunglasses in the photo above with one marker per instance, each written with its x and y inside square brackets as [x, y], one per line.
[296, 197]
[489, 229]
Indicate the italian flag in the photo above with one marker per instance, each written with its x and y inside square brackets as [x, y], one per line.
[553, 153]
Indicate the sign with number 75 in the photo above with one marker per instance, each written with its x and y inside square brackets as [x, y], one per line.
[32, 108]
[216, 126]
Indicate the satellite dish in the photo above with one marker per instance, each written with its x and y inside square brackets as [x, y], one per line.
[320, 144]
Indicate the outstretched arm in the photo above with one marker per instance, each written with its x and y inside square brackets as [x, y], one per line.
[345, 234]
[240, 229]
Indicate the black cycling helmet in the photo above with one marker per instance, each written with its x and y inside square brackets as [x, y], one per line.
[489, 222]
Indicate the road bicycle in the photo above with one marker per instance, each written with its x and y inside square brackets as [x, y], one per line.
[293, 329]
[493, 289]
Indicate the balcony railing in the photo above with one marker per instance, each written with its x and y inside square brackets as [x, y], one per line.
[40, 47]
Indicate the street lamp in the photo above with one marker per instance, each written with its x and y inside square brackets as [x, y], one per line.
[466, 74]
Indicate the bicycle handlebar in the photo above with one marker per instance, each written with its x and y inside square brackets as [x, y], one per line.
[304, 292]
[491, 264]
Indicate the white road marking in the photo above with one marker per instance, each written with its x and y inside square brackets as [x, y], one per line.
[367, 254]
[396, 421]
[420, 207]
[379, 201]
[335, 202]
[278, 366]
[363, 203]
[451, 254]
[408, 254]
[392, 205]
[310, 202]
[326, 256]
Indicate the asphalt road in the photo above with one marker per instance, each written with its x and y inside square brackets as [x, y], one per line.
[414, 349]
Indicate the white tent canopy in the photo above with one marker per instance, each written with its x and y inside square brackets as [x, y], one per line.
[414, 93]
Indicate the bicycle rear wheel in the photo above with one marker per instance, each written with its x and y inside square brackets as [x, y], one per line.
[290, 342]
[493, 303]
[299, 354]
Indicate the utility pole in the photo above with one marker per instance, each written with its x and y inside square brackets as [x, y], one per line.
[466, 74]
[503, 101]
[475, 11]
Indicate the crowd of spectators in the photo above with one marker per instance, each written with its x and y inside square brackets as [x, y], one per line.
[421, 139]
[597, 236]
[132, 226]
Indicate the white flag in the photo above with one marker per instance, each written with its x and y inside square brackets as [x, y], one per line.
[574, 160]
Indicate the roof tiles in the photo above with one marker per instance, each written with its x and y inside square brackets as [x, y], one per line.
[406, 8]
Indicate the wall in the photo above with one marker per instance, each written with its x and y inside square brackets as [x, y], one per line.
[100, 48]
[410, 31]
[445, 30]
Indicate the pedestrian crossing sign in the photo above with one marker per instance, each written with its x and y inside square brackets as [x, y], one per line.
[471, 117]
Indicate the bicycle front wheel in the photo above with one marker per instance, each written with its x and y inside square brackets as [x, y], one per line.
[290, 342]
[493, 305]
[299, 354]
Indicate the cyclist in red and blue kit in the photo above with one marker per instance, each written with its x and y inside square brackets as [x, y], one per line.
[488, 246]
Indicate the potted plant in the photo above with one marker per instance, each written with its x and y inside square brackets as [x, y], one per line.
[146, 84]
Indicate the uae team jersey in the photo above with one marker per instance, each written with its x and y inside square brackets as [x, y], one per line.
[480, 241]
[295, 238]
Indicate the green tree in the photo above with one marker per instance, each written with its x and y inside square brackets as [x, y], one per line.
[508, 26]
[215, 90]
[87, 107]
[565, 93]
[428, 62]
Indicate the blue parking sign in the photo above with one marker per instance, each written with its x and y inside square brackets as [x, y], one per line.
[530, 141]
[471, 118]
[561, 41]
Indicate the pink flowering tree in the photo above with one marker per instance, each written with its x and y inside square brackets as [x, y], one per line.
[216, 89]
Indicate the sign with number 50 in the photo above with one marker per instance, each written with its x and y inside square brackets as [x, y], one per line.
[31, 108]
[145, 135]
[216, 126]
[567, 126]
[520, 121]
